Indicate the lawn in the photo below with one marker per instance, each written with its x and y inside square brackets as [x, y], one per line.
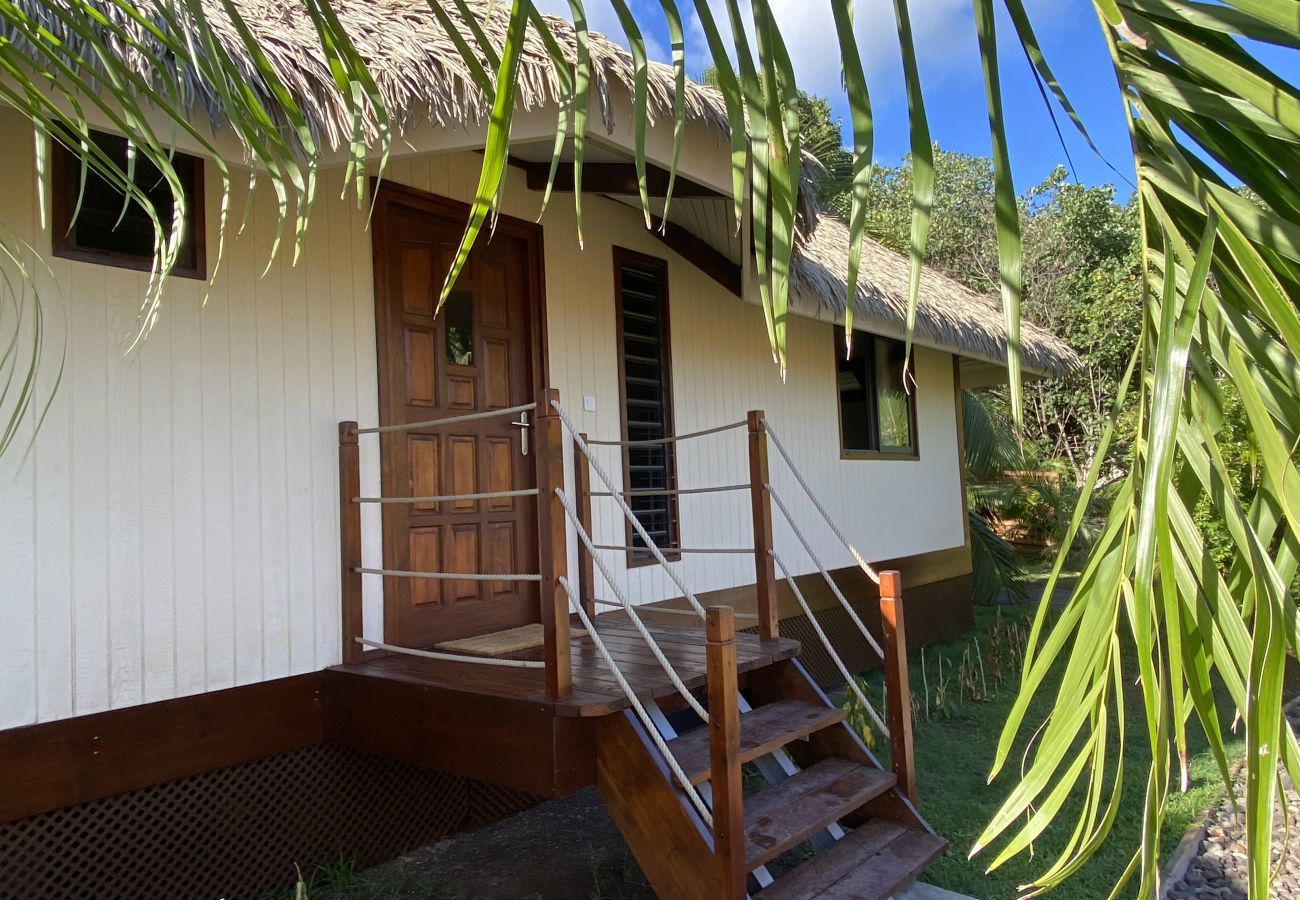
[955, 743]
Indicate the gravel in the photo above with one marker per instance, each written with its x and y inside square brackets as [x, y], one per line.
[1218, 872]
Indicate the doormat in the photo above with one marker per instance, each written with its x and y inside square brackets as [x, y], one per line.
[500, 643]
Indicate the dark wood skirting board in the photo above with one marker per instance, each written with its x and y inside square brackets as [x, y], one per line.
[518, 744]
[70, 761]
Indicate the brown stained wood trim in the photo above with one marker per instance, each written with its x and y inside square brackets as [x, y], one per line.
[699, 254]
[610, 178]
[63, 202]
[761, 503]
[513, 742]
[622, 257]
[789, 680]
[914, 455]
[898, 693]
[57, 764]
[724, 754]
[666, 835]
[552, 550]
[350, 542]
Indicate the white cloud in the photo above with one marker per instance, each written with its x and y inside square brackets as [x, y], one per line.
[602, 19]
[942, 29]
[943, 32]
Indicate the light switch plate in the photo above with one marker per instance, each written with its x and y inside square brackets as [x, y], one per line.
[589, 403]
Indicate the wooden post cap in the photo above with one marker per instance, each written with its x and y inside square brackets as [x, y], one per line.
[891, 585]
[720, 624]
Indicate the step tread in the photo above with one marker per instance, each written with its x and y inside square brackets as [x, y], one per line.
[762, 730]
[786, 814]
[870, 863]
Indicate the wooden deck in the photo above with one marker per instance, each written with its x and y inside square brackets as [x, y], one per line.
[595, 691]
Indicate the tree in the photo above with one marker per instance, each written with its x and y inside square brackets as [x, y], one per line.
[1219, 280]
[1081, 280]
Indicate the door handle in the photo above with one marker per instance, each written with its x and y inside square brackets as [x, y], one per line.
[523, 425]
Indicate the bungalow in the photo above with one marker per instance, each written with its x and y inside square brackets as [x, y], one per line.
[318, 570]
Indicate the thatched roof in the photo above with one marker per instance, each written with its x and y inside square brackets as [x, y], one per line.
[420, 74]
[949, 315]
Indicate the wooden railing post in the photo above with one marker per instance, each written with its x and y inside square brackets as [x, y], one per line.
[724, 752]
[764, 564]
[586, 564]
[350, 540]
[552, 547]
[898, 693]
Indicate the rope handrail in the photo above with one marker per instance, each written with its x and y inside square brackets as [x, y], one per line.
[798, 476]
[655, 650]
[653, 610]
[835, 588]
[670, 492]
[450, 420]
[830, 648]
[637, 706]
[450, 576]
[451, 498]
[627, 548]
[581, 444]
[454, 657]
[672, 438]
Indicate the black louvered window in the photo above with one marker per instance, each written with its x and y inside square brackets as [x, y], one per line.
[642, 288]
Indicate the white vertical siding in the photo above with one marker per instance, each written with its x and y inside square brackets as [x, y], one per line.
[174, 528]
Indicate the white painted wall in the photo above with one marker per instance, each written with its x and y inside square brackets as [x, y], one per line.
[174, 528]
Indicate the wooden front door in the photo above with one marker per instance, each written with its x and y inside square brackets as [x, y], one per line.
[480, 352]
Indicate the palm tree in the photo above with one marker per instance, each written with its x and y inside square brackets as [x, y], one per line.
[1222, 281]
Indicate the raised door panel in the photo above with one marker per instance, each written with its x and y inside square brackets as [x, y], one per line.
[425, 474]
[421, 378]
[499, 555]
[426, 556]
[498, 471]
[462, 556]
[462, 470]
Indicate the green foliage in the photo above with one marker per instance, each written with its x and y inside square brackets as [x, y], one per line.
[1208, 286]
[1081, 266]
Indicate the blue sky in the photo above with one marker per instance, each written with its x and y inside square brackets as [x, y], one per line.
[950, 74]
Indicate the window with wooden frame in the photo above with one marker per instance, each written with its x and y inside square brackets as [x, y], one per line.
[877, 408]
[93, 223]
[644, 370]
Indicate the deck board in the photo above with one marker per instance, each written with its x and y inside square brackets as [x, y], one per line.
[595, 691]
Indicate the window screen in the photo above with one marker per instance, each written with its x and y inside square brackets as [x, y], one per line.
[642, 294]
[93, 223]
[877, 412]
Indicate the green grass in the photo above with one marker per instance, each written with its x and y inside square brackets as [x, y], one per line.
[955, 748]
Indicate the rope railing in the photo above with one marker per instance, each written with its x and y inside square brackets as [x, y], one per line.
[835, 588]
[451, 498]
[669, 610]
[450, 420]
[628, 548]
[567, 502]
[798, 476]
[449, 576]
[671, 492]
[650, 544]
[454, 657]
[830, 648]
[696, 800]
[670, 439]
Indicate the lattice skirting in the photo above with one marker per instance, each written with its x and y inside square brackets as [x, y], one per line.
[238, 832]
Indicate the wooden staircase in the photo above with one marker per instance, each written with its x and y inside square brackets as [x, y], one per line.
[824, 786]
